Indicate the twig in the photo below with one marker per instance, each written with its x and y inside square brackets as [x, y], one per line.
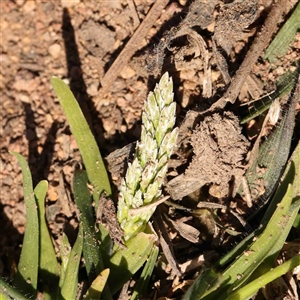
[133, 44]
[165, 243]
[134, 15]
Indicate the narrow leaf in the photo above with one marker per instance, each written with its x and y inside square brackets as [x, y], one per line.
[239, 271]
[8, 292]
[285, 36]
[65, 251]
[284, 85]
[27, 274]
[69, 287]
[291, 175]
[204, 282]
[267, 168]
[272, 238]
[125, 262]
[146, 275]
[48, 268]
[247, 291]
[97, 286]
[91, 249]
[85, 140]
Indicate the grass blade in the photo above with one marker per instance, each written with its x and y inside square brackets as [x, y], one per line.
[85, 140]
[281, 42]
[27, 274]
[146, 275]
[91, 249]
[125, 262]
[69, 287]
[248, 290]
[48, 269]
[97, 287]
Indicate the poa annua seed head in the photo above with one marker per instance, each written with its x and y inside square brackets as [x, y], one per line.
[144, 178]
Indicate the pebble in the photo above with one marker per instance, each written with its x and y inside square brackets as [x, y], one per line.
[26, 85]
[92, 90]
[54, 50]
[121, 102]
[24, 98]
[68, 3]
[29, 6]
[20, 2]
[127, 72]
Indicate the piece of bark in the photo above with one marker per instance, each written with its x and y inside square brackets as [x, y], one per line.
[117, 162]
[106, 215]
[219, 150]
[231, 22]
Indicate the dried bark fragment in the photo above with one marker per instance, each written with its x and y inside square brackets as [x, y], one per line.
[106, 215]
[219, 149]
[200, 14]
[231, 22]
[187, 231]
[233, 18]
[117, 162]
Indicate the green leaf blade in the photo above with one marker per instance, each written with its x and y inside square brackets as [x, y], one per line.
[48, 268]
[97, 286]
[126, 262]
[85, 140]
[69, 286]
[286, 34]
[146, 274]
[91, 249]
[250, 289]
[27, 274]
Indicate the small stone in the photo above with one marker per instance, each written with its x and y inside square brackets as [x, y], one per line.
[68, 3]
[20, 2]
[54, 50]
[29, 6]
[121, 102]
[26, 85]
[49, 118]
[24, 98]
[92, 90]
[26, 40]
[52, 194]
[123, 128]
[127, 72]
[182, 2]
[280, 70]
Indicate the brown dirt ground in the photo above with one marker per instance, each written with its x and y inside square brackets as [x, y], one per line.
[78, 41]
